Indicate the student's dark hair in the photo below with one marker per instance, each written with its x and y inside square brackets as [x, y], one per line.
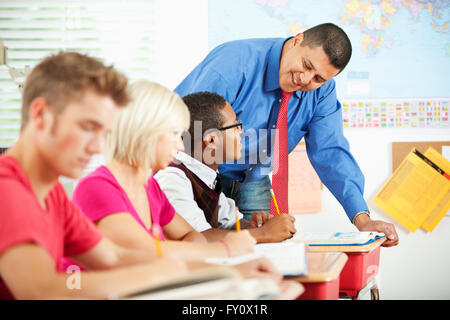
[205, 107]
[333, 39]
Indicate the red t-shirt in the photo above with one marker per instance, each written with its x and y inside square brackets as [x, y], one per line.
[62, 230]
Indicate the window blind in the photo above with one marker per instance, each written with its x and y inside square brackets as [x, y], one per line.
[116, 32]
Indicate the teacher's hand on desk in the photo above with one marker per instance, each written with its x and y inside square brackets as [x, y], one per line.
[364, 223]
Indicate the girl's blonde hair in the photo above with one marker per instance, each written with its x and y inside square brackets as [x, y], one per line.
[153, 110]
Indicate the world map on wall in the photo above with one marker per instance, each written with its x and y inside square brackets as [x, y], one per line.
[401, 48]
[374, 19]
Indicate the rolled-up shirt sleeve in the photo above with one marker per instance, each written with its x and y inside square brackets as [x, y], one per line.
[227, 212]
[329, 153]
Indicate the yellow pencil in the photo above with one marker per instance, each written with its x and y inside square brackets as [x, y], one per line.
[238, 223]
[156, 237]
[275, 201]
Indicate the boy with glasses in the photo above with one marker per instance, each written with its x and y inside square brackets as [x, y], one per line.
[191, 184]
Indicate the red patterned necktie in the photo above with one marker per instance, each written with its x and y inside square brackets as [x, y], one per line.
[280, 159]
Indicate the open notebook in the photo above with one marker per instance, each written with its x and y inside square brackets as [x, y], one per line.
[336, 238]
[216, 283]
[288, 258]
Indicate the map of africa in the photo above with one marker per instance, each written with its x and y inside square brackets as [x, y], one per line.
[401, 48]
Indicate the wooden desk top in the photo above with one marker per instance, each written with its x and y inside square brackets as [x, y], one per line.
[365, 248]
[322, 267]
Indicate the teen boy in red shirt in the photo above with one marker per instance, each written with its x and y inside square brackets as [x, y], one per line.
[69, 104]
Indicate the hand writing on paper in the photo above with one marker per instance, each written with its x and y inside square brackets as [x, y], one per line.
[273, 228]
[364, 223]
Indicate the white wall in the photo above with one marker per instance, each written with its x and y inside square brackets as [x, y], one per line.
[418, 268]
[182, 38]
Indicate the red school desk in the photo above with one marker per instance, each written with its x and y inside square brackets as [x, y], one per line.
[322, 280]
[360, 270]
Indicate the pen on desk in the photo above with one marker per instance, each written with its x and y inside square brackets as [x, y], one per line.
[238, 223]
[275, 201]
[156, 237]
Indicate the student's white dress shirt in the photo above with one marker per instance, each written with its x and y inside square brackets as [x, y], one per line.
[178, 189]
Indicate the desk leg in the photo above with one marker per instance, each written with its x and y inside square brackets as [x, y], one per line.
[375, 290]
[375, 293]
[372, 287]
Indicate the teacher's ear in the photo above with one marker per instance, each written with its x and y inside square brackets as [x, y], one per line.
[298, 39]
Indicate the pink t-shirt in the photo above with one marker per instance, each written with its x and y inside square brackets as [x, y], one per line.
[99, 195]
[61, 229]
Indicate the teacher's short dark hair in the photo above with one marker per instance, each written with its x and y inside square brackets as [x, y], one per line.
[333, 39]
[205, 107]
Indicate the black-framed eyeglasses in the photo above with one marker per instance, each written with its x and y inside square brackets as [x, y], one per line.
[237, 124]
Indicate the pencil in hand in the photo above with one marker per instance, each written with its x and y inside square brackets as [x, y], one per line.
[274, 201]
[238, 223]
[157, 238]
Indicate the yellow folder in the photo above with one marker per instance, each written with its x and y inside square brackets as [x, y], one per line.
[417, 192]
[443, 205]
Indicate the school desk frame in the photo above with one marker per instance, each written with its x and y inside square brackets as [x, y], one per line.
[322, 280]
[361, 271]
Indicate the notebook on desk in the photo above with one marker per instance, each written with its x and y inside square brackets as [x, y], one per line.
[215, 283]
[337, 238]
[288, 258]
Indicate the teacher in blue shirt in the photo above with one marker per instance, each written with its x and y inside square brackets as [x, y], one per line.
[251, 75]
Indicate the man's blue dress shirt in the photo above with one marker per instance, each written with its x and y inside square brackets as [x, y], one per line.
[246, 74]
